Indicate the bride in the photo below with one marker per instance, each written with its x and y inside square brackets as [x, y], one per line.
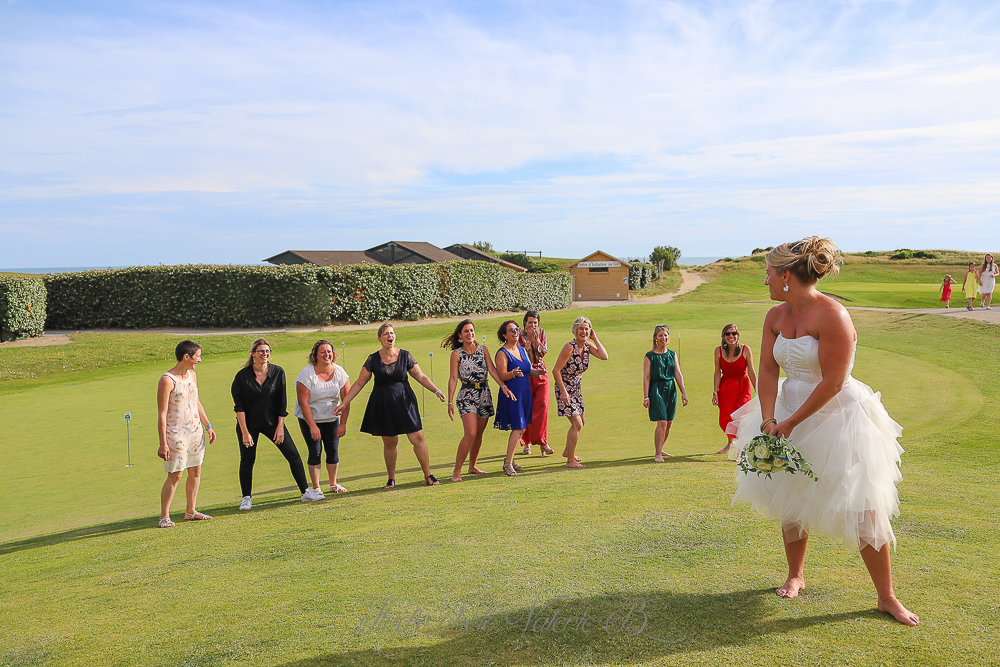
[835, 421]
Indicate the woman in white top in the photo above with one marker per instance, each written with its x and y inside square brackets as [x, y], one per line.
[988, 280]
[321, 386]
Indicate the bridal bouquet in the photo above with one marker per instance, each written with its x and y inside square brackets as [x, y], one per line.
[767, 454]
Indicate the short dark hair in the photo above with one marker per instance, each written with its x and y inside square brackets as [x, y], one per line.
[531, 313]
[188, 347]
[502, 331]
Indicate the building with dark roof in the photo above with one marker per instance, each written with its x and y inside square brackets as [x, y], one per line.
[387, 254]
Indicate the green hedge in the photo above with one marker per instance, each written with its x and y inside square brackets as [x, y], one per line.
[187, 296]
[22, 307]
[370, 293]
[640, 274]
[252, 296]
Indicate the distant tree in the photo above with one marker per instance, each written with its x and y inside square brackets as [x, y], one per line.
[760, 250]
[518, 258]
[485, 246]
[667, 254]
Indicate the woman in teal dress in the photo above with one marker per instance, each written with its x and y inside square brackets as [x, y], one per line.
[660, 369]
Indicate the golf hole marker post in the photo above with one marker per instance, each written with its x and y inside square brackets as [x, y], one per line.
[128, 440]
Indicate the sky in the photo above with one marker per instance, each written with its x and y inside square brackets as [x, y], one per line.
[228, 132]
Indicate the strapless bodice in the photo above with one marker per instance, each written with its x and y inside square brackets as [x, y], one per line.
[799, 358]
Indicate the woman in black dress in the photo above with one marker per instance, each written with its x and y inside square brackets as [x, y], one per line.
[392, 406]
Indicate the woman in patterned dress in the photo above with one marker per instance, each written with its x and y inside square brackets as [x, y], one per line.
[532, 338]
[574, 359]
[470, 365]
[179, 424]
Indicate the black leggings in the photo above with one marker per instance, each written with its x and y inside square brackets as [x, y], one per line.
[327, 437]
[248, 456]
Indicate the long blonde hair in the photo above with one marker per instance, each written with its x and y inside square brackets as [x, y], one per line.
[810, 259]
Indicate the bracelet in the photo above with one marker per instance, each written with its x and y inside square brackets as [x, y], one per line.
[766, 422]
[208, 427]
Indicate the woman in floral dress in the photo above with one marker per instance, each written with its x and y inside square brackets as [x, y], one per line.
[470, 366]
[573, 361]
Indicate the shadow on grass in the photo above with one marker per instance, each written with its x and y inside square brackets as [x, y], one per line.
[614, 629]
[405, 478]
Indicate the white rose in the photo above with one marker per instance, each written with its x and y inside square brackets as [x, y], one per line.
[761, 451]
[779, 464]
[763, 467]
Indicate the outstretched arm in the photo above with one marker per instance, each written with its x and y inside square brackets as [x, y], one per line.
[425, 381]
[363, 376]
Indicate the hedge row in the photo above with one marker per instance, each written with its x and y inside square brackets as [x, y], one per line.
[22, 307]
[640, 274]
[143, 297]
[250, 296]
[366, 293]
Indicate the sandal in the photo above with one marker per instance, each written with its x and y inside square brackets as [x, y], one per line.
[197, 516]
[516, 467]
[165, 522]
[547, 450]
[391, 484]
[527, 450]
[508, 470]
[337, 488]
[431, 480]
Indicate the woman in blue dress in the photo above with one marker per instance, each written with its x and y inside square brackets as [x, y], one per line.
[513, 407]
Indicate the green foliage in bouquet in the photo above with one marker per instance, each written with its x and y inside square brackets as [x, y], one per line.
[767, 454]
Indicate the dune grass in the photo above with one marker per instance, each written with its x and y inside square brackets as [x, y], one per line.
[863, 281]
[654, 564]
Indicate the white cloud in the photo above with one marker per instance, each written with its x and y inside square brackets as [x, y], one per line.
[795, 111]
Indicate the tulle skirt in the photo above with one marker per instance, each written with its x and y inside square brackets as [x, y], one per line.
[851, 446]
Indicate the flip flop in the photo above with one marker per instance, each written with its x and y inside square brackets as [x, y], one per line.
[197, 516]
[337, 488]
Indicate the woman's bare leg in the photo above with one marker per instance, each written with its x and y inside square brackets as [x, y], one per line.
[331, 470]
[880, 569]
[167, 492]
[572, 437]
[389, 454]
[420, 449]
[725, 450]
[660, 436]
[513, 440]
[796, 542]
[469, 427]
[477, 444]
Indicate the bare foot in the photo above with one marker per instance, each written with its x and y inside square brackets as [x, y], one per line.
[658, 458]
[791, 587]
[456, 478]
[895, 608]
[476, 471]
[724, 450]
[666, 454]
[578, 459]
[574, 464]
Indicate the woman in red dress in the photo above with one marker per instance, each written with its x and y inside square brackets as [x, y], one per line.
[734, 379]
[532, 339]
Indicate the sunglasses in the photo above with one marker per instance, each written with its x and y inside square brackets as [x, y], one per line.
[731, 333]
[263, 352]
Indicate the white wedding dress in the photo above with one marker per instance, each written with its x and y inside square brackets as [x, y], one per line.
[850, 443]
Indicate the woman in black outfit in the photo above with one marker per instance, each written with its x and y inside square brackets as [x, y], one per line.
[392, 406]
[259, 401]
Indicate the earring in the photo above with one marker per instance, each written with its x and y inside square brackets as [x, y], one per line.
[785, 288]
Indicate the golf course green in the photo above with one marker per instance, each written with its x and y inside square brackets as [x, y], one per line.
[625, 562]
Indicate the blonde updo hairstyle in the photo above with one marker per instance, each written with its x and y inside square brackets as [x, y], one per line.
[810, 260]
[581, 320]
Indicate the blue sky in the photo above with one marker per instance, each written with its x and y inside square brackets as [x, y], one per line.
[145, 133]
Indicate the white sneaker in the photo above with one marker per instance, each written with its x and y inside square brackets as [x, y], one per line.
[246, 503]
[311, 495]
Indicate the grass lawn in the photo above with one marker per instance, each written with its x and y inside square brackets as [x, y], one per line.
[649, 561]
